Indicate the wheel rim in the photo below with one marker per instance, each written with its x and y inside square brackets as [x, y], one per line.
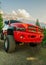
[6, 44]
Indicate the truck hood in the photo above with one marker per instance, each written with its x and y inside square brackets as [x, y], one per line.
[21, 25]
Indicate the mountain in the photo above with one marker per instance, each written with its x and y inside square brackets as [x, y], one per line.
[43, 25]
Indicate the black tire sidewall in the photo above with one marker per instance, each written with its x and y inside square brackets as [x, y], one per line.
[6, 49]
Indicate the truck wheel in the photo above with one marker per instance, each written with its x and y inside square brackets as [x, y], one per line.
[9, 43]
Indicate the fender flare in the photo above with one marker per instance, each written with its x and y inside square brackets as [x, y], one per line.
[10, 30]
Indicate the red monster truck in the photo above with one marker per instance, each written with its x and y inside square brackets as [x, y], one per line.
[19, 32]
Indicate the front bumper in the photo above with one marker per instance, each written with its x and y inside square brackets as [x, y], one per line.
[28, 37]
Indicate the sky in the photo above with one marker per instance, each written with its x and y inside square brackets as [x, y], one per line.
[36, 8]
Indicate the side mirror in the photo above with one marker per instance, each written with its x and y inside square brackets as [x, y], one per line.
[6, 22]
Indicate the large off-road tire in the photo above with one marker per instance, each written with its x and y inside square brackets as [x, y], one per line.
[9, 43]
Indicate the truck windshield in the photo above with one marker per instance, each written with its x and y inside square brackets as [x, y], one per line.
[14, 21]
[11, 21]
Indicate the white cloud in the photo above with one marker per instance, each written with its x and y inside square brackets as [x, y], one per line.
[14, 12]
[24, 14]
[20, 13]
[1, 12]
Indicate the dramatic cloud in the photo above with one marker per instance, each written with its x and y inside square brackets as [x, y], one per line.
[20, 13]
[24, 14]
[14, 12]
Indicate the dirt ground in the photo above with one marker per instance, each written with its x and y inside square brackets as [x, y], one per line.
[23, 55]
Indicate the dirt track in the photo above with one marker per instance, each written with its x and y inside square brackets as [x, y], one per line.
[22, 56]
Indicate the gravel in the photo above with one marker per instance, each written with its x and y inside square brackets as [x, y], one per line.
[23, 55]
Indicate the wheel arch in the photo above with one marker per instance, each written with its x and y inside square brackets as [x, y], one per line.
[10, 30]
